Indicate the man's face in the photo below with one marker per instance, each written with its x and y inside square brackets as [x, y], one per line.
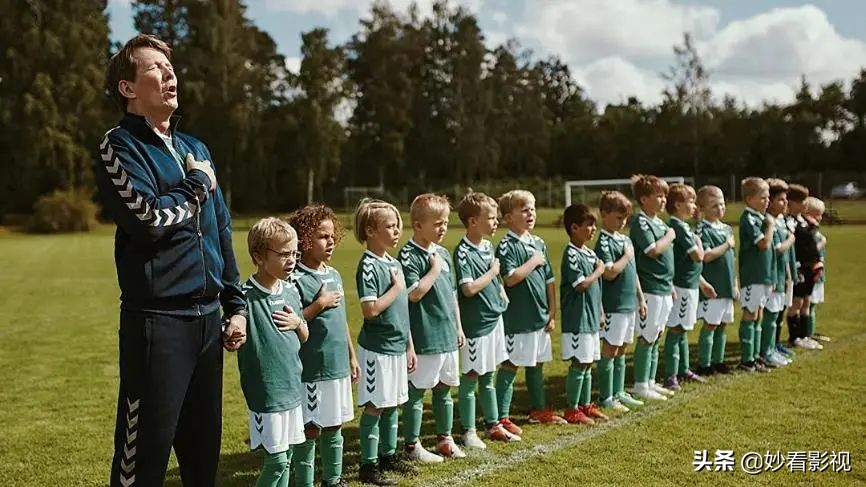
[155, 86]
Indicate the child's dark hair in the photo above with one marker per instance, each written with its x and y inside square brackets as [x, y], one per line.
[577, 214]
[306, 220]
[797, 192]
[777, 187]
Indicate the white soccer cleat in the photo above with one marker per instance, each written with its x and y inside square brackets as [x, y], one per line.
[418, 453]
[814, 343]
[660, 389]
[470, 439]
[448, 449]
[776, 359]
[644, 391]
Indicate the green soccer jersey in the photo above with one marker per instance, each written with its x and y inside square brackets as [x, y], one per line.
[687, 272]
[756, 264]
[528, 309]
[780, 261]
[656, 274]
[719, 273]
[580, 310]
[433, 319]
[822, 252]
[620, 294]
[387, 333]
[480, 313]
[269, 364]
[325, 354]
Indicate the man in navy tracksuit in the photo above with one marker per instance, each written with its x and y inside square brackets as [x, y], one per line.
[176, 269]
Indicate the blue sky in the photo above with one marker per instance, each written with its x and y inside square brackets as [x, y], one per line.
[756, 50]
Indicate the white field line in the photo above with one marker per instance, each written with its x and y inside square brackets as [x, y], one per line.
[493, 463]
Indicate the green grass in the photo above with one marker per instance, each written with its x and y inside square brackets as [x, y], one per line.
[58, 346]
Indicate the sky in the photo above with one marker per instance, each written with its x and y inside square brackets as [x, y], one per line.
[756, 50]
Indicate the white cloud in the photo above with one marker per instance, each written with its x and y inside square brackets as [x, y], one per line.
[293, 64]
[613, 80]
[334, 8]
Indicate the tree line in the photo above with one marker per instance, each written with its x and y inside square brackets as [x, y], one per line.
[407, 102]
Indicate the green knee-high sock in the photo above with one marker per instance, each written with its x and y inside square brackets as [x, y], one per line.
[756, 341]
[331, 446]
[487, 394]
[504, 391]
[388, 430]
[672, 352]
[619, 375]
[369, 431]
[466, 401]
[535, 386]
[303, 462]
[443, 410]
[684, 354]
[705, 347]
[654, 361]
[413, 409]
[768, 332]
[275, 470]
[812, 319]
[747, 334]
[605, 378]
[586, 390]
[573, 386]
[720, 340]
[642, 352]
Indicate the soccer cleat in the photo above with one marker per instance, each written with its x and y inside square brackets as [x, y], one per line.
[418, 453]
[371, 474]
[644, 391]
[628, 401]
[747, 366]
[807, 344]
[690, 376]
[706, 371]
[577, 416]
[448, 449]
[759, 367]
[510, 426]
[592, 411]
[788, 353]
[614, 405]
[470, 438]
[821, 338]
[397, 463]
[661, 390]
[545, 416]
[814, 343]
[777, 360]
[763, 361]
[672, 383]
[341, 482]
[498, 433]
[721, 368]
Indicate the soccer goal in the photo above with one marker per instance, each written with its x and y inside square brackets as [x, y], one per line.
[353, 194]
[588, 190]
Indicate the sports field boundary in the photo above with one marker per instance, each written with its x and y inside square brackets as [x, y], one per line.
[493, 463]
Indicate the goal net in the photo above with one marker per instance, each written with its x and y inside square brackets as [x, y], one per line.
[588, 191]
[353, 194]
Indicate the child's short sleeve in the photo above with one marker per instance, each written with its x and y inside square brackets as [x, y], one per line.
[642, 235]
[413, 268]
[548, 269]
[572, 272]
[367, 281]
[684, 241]
[604, 252]
[507, 254]
[751, 227]
[462, 268]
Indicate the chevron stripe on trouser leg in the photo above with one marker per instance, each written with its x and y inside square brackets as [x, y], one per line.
[170, 395]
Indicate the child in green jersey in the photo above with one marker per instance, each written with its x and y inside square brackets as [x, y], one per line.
[688, 263]
[270, 369]
[435, 326]
[622, 299]
[330, 365]
[582, 314]
[530, 316]
[783, 240]
[814, 209]
[718, 242]
[385, 350]
[654, 257]
[756, 268]
[482, 301]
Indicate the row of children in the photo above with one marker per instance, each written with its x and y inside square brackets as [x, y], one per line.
[433, 320]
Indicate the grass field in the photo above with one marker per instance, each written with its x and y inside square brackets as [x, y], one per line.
[58, 346]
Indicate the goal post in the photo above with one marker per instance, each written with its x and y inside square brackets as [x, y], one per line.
[353, 194]
[621, 184]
